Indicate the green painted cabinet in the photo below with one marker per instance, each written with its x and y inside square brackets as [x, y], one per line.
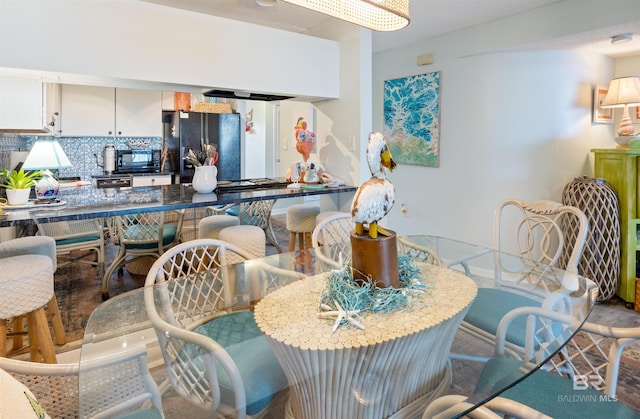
[621, 168]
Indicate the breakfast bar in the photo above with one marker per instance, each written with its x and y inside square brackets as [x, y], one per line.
[85, 202]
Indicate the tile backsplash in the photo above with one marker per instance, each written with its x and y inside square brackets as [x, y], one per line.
[85, 153]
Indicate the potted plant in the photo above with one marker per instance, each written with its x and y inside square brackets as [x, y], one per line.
[18, 184]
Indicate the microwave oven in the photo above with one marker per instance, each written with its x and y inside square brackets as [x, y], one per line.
[138, 161]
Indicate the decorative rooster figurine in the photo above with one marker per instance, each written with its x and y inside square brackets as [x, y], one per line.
[375, 197]
[304, 139]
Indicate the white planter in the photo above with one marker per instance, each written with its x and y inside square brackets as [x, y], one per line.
[205, 179]
[18, 196]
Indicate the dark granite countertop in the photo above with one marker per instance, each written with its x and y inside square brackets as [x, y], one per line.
[91, 202]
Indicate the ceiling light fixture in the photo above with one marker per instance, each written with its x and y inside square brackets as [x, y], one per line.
[622, 38]
[266, 3]
[378, 15]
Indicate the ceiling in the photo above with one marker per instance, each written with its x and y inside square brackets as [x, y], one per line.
[429, 18]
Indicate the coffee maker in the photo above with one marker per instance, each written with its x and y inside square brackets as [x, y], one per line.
[109, 160]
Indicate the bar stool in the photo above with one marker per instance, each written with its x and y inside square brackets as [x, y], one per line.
[211, 226]
[27, 287]
[301, 220]
[249, 238]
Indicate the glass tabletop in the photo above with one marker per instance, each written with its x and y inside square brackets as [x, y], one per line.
[477, 369]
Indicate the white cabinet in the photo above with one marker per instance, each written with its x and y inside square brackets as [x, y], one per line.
[108, 111]
[138, 113]
[28, 105]
[87, 111]
[155, 180]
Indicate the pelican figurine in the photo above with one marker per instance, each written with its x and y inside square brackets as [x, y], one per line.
[376, 196]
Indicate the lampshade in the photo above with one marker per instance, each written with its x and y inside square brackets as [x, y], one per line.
[623, 92]
[379, 15]
[46, 154]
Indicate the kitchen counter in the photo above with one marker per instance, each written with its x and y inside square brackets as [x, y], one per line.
[90, 202]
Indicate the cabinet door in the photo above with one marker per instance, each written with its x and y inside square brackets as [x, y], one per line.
[150, 180]
[21, 102]
[138, 113]
[52, 107]
[87, 111]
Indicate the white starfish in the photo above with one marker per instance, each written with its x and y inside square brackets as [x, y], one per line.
[349, 315]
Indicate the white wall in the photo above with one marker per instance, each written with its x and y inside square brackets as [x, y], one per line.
[138, 41]
[514, 124]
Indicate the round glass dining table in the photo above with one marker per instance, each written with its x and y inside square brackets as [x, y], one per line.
[391, 364]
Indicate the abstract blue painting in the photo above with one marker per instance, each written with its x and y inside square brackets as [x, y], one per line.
[412, 119]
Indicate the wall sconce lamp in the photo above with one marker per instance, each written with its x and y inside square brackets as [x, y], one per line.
[46, 155]
[378, 15]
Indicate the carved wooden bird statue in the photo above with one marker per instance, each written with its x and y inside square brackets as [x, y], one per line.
[376, 196]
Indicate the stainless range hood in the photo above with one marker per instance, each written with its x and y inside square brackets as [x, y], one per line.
[227, 94]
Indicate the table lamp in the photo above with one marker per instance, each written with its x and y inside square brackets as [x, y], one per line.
[623, 92]
[46, 155]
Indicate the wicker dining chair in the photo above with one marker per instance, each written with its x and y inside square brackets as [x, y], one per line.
[215, 355]
[112, 385]
[141, 234]
[77, 235]
[585, 369]
[533, 230]
[331, 238]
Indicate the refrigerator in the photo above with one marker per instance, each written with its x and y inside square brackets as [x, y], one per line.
[190, 130]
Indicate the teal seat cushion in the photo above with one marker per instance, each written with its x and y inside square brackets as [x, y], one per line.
[168, 234]
[261, 373]
[148, 413]
[234, 210]
[491, 305]
[551, 393]
[75, 240]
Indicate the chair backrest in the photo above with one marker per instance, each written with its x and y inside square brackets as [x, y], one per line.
[117, 383]
[332, 238]
[534, 230]
[256, 213]
[73, 229]
[56, 386]
[417, 252]
[146, 229]
[333, 230]
[187, 286]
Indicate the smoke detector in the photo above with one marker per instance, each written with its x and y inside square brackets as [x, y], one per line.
[622, 38]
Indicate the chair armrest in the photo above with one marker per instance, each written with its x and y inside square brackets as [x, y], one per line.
[209, 352]
[540, 313]
[220, 210]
